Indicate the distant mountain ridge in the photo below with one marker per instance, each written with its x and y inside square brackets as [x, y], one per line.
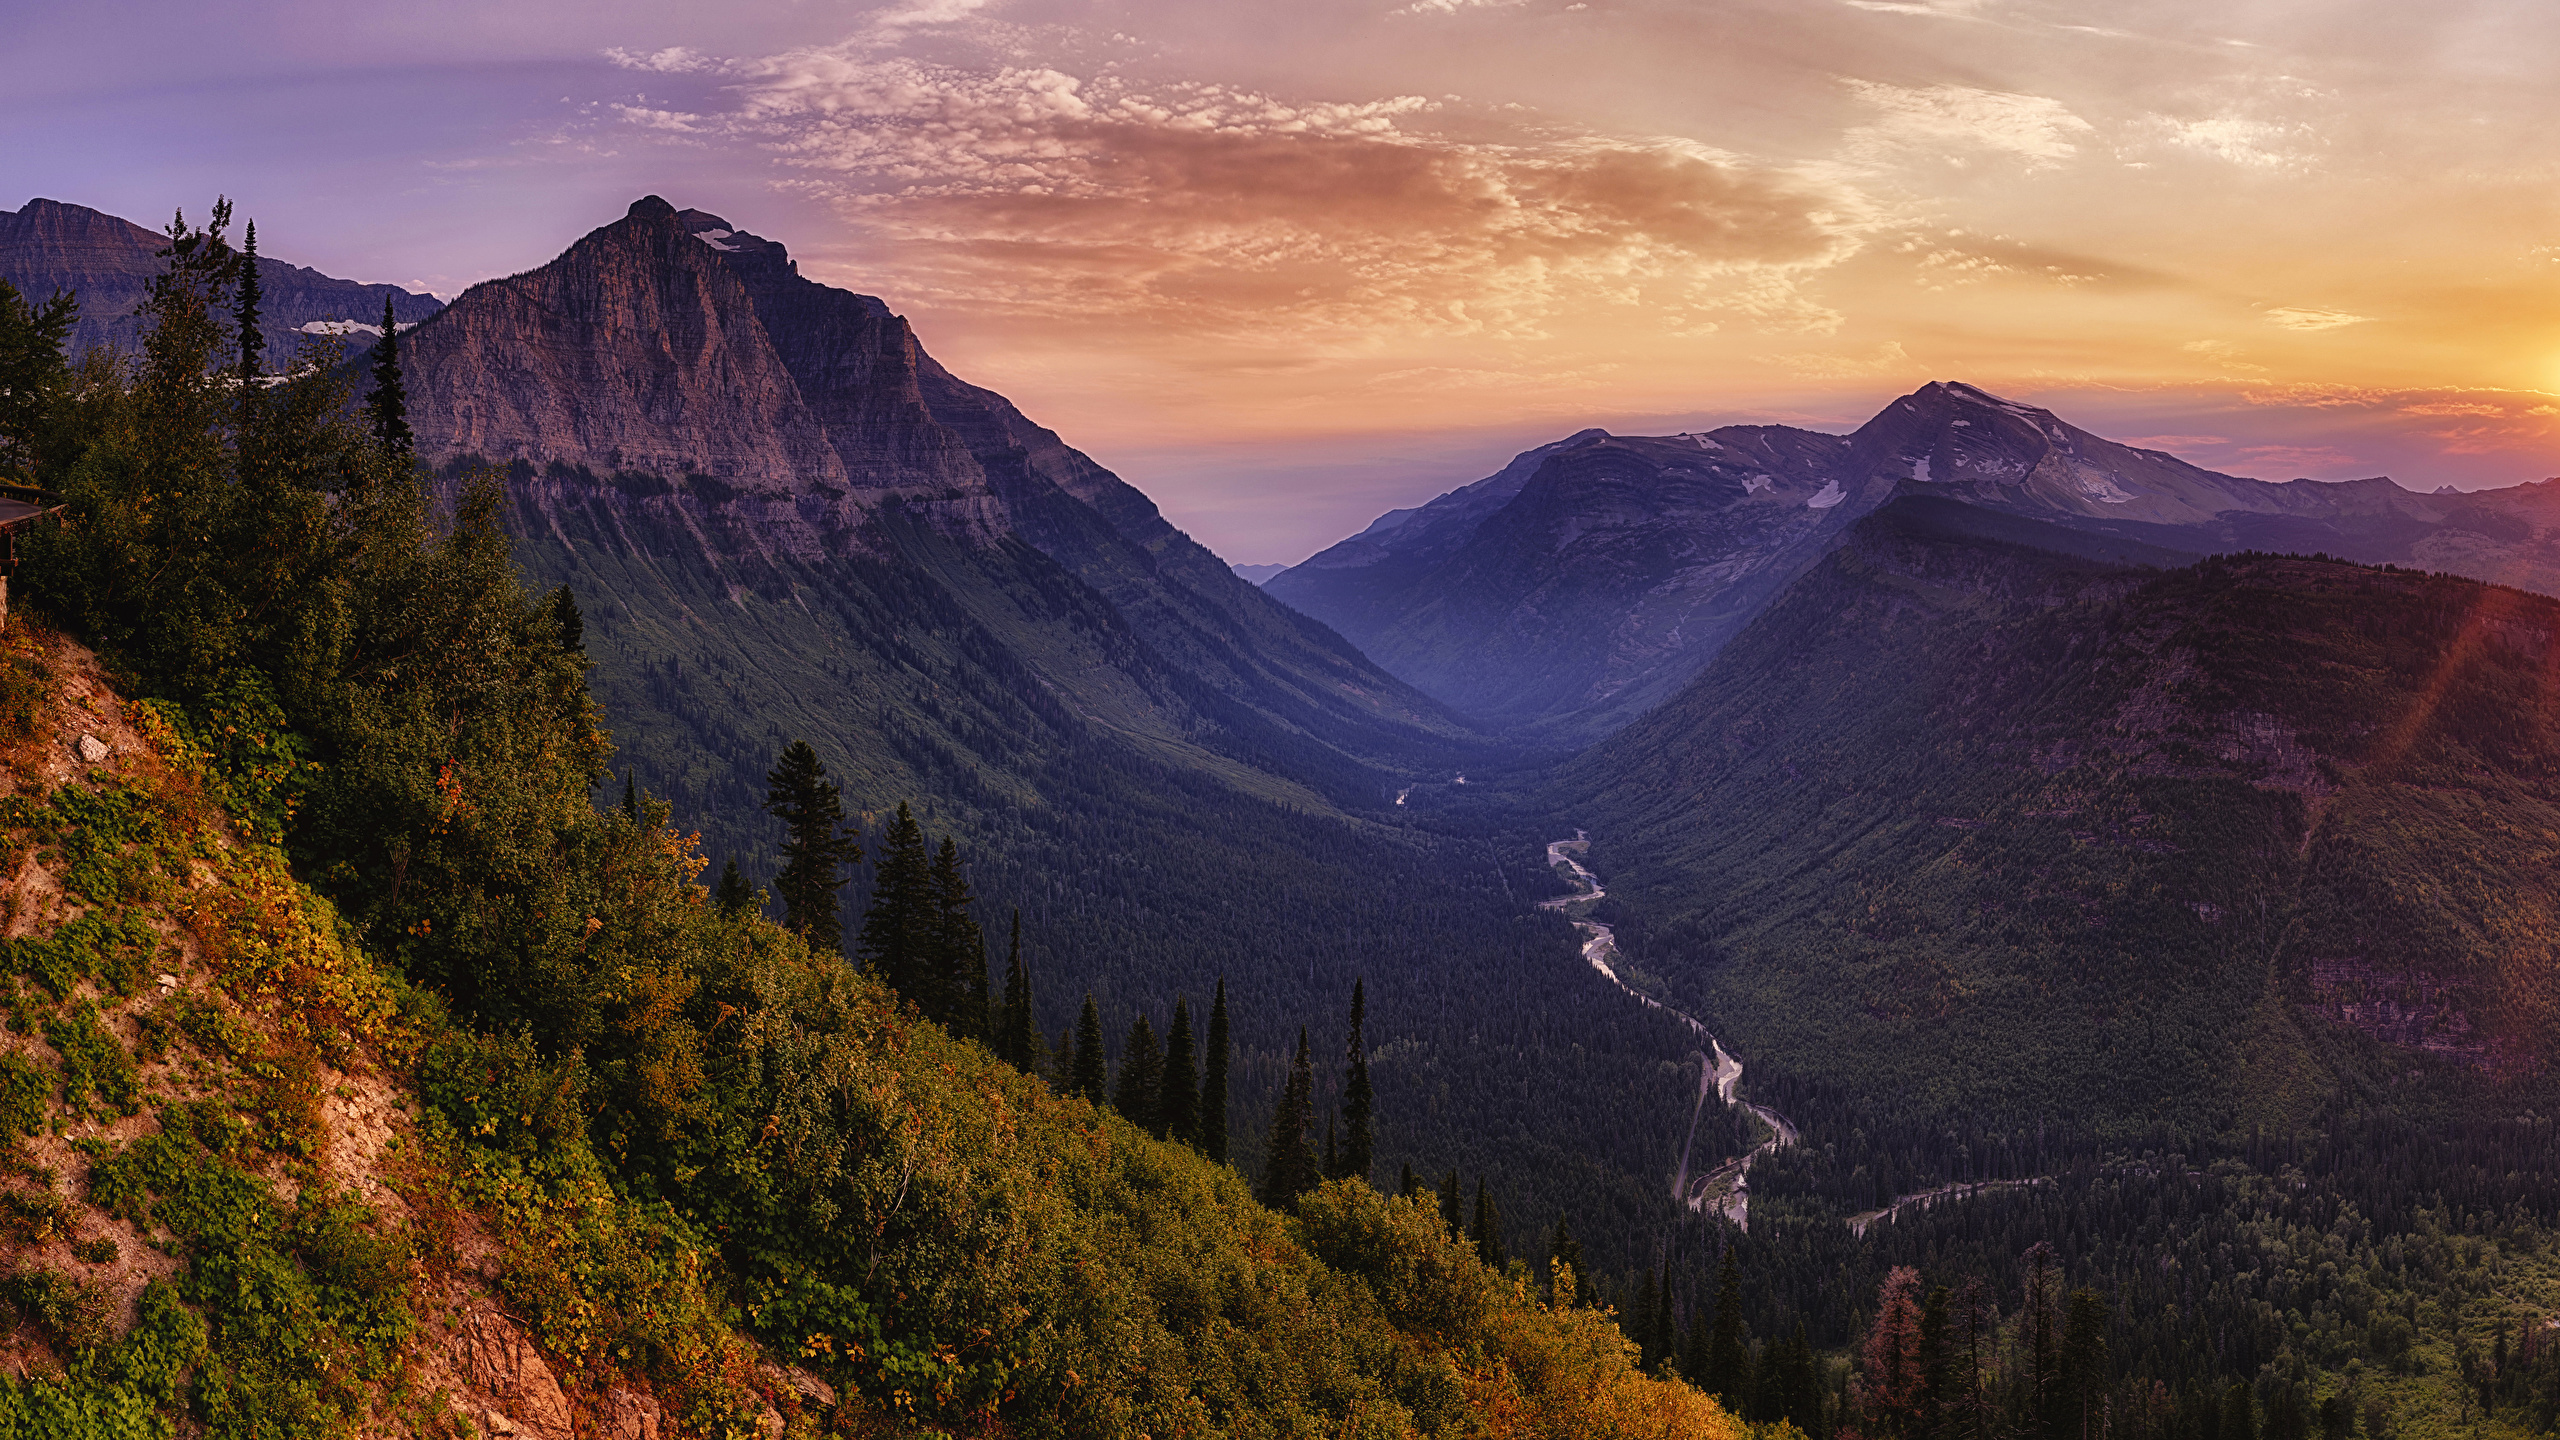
[1588, 579]
[48, 245]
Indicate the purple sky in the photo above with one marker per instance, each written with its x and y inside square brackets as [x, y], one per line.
[1287, 267]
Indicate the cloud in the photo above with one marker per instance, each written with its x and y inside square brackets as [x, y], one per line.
[2224, 353]
[2295, 318]
[1938, 9]
[674, 60]
[1452, 7]
[2453, 408]
[1885, 359]
[2296, 457]
[2256, 144]
[1214, 207]
[2174, 442]
[925, 12]
[1952, 121]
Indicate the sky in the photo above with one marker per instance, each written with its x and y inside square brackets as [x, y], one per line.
[1287, 266]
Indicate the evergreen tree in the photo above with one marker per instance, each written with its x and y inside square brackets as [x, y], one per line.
[2036, 1331]
[34, 376]
[1289, 1168]
[630, 795]
[1141, 1078]
[816, 846]
[1358, 1100]
[1452, 1199]
[1086, 1079]
[1332, 1161]
[1647, 1308]
[2082, 1371]
[899, 930]
[1790, 1386]
[1063, 1062]
[1487, 1231]
[959, 959]
[734, 896]
[1728, 1348]
[387, 405]
[246, 320]
[1694, 1338]
[1929, 1416]
[1178, 1101]
[1020, 1042]
[1411, 1185]
[1566, 1251]
[1890, 1359]
[2239, 1418]
[573, 626]
[1213, 1081]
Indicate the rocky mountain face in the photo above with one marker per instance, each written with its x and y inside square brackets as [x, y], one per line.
[1599, 573]
[49, 246]
[1980, 819]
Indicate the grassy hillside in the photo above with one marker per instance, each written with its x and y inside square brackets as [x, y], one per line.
[260, 1186]
[1996, 831]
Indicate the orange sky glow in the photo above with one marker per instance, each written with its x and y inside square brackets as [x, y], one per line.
[1287, 267]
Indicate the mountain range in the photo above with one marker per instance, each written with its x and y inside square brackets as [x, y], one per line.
[1599, 573]
[47, 246]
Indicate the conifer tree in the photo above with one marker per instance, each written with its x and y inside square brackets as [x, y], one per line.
[2036, 1331]
[1692, 1356]
[2239, 1420]
[246, 319]
[734, 896]
[1087, 1078]
[1727, 1353]
[1647, 1308]
[959, 959]
[898, 931]
[387, 404]
[2083, 1375]
[1487, 1231]
[1929, 1415]
[1451, 1202]
[1141, 1078]
[1358, 1100]
[1213, 1081]
[1410, 1185]
[1020, 1041]
[816, 846]
[1062, 1062]
[1890, 1359]
[631, 795]
[1289, 1167]
[1331, 1165]
[573, 626]
[1178, 1101]
[1566, 1251]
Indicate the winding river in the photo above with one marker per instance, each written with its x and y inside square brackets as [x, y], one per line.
[1727, 1186]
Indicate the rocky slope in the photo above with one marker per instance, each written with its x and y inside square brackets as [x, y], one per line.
[686, 416]
[1984, 821]
[48, 245]
[1600, 572]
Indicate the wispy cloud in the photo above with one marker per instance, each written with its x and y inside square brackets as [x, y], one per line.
[674, 60]
[2297, 318]
[1956, 122]
[1216, 207]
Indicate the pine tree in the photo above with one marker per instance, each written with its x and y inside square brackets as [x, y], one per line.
[1790, 1388]
[1332, 1149]
[2036, 1329]
[815, 848]
[1358, 1100]
[630, 795]
[1935, 1365]
[1411, 1185]
[1020, 1041]
[2239, 1420]
[2082, 1372]
[573, 626]
[246, 319]
[1213, 1081]
[1648, 1307]
[1087, 1078]
[734, 896]
[898, 930]
[1891, 1356]
[1289, 1167]
[1727, 1352]
[1451, 1199]
[1141, 1078]
[1565, 1251]
[1692, 1360]
[1487, 1231]
[959, 958]
[1178, 1101]
[1062, 1062]
[387, 405]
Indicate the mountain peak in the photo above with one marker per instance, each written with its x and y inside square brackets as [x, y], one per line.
[650, 207]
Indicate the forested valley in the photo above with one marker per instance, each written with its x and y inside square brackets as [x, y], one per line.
[1078, 1117]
